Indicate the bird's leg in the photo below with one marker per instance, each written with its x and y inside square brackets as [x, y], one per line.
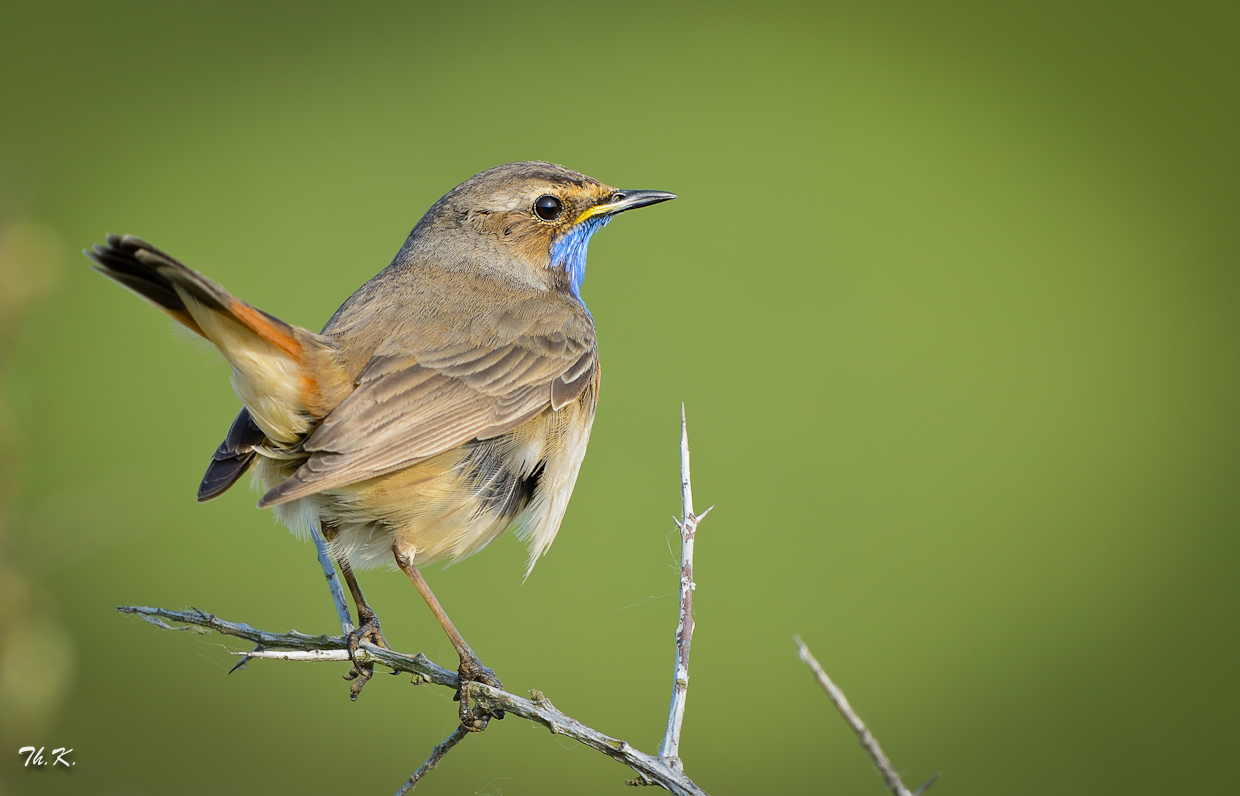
[471, 669]
[367, 620]
[339, 601]
[367, 628]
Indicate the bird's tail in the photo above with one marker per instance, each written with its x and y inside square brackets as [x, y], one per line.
[282, 373]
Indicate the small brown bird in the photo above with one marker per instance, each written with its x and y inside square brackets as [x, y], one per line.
[448, 400]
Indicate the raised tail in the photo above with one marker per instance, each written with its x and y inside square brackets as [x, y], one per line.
[179, 290]
[287, 377]
[135, 264]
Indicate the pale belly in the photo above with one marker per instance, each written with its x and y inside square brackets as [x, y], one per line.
[454, 504]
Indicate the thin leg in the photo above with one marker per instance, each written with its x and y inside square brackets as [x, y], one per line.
[365, 616]
[471, 669]
[367, 628]
[333, 583]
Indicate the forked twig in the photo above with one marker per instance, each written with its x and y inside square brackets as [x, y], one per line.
[300, 646]
[333, 583]
[665, 770]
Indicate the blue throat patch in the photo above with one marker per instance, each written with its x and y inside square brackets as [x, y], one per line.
[569, 251]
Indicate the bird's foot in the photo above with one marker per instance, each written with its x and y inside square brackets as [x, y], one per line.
[361, 673]
[471, 670]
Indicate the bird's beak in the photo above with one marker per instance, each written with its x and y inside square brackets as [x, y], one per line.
[626, 200]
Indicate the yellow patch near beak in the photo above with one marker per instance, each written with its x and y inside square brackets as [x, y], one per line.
[590, 212]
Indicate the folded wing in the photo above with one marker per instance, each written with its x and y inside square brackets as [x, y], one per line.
[413, 404]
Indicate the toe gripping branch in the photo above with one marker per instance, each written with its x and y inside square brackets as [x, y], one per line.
[361, 671]
[474, 716]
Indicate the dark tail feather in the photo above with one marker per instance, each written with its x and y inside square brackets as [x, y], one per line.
[156, 276]
[135, 264]
[233, 457]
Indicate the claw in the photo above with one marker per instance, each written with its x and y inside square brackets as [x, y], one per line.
[472, 671]
[361, 673]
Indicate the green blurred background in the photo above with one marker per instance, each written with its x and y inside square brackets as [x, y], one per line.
[951, 294]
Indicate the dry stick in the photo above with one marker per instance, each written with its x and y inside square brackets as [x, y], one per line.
[666, 770]
[868, 741]
[670, 750]
[333, 583]
[300, 646]
[436, 755]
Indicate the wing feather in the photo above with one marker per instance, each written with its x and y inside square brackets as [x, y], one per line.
[569, 386]
[413, 404]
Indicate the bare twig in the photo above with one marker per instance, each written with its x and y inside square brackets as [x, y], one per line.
[868, 741]
[299, 646]
[333, 583]
[665, 770]
[268, 641]
[436, 755]
[684, 629]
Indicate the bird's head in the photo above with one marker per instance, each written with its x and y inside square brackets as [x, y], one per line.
[529, 220]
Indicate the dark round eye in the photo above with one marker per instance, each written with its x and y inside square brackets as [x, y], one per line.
[548, 207]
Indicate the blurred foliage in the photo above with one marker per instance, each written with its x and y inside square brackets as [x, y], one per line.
[950, 293]
[37, 656]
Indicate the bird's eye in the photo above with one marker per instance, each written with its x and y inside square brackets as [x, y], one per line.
[547, 207]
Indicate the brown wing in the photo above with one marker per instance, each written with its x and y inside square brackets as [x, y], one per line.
[410, 406]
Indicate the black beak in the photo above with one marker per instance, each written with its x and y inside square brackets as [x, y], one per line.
[627, 200]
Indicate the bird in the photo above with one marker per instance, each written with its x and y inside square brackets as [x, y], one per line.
[448, 400]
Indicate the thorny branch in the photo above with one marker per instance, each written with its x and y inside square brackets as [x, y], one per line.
[688, 524]
[868, 741]
[665, 770]
[333, 583]
[300, 646]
